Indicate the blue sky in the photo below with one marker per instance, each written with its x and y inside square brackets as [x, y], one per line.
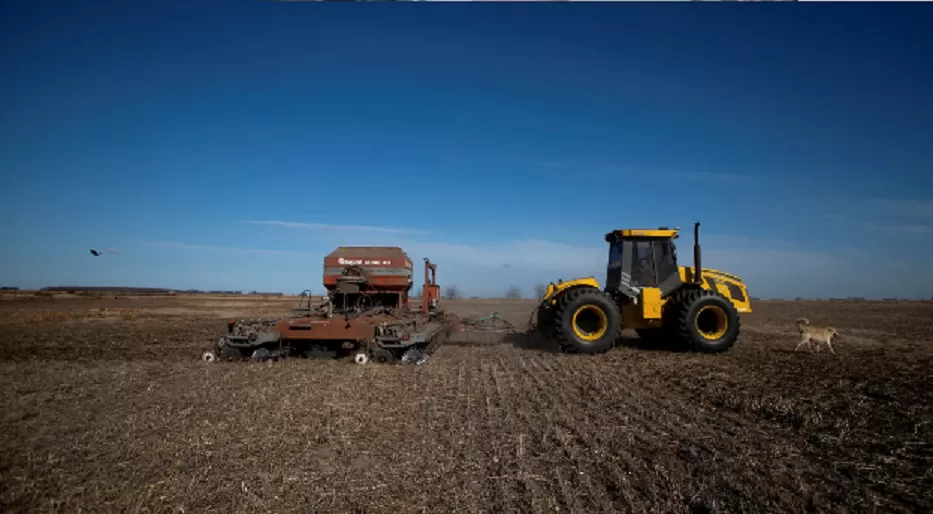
[232, 144]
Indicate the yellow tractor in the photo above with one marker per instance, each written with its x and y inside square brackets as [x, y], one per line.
[646, 291]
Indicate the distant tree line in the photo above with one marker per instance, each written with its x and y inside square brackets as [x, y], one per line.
[453, 293]
[149, 290]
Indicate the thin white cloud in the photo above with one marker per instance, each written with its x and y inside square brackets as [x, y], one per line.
[768, 271]
[227, 249]
[527, 254]
[488, 269]
[335, 228]
[601, 167]
[906, 208]
[904, 229]
[912, 217]
[540, 256]
[716, 176]
[606, 169]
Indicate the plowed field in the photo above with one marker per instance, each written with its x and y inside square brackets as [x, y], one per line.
[106, 408]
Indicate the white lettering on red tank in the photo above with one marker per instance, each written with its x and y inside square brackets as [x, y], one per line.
[363, 262]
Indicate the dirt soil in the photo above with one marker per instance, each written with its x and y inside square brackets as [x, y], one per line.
[107, 408]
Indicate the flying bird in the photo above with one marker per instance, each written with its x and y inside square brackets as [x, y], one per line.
[95, 253]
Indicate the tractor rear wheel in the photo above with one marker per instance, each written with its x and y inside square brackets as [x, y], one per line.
[703, 319]
[586, 320]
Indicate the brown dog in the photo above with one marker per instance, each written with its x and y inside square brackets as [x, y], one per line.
[815, 334]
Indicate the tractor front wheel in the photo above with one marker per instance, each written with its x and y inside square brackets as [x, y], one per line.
[586, 320]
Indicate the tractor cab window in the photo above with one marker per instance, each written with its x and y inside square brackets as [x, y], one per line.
[644, 273]
[615, 255]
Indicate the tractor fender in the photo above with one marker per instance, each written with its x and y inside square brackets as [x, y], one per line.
[553, 290]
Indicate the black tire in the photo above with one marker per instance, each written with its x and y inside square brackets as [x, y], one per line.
[704, 320]
[545, 320]
[229, 353]
[601, 318]
[383, 356]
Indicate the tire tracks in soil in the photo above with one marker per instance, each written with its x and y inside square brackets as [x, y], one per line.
[598, 434]
[651, 417]
[519, 483]
[649, 414]
[545, 405]
[797, 477]
[569, 480]
[617, 469]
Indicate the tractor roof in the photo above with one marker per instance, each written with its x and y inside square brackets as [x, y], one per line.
[363, 252]
[642, 233]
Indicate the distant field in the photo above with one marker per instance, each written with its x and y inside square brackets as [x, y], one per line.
[26, 295]
[107, 408]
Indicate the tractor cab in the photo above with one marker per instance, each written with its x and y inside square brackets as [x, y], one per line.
[640, 258]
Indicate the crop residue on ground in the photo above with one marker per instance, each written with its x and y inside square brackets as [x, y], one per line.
[107, 408]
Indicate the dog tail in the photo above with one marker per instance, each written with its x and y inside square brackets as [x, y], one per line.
[801, 322]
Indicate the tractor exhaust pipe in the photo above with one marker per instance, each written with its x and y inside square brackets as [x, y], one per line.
[697, 268]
